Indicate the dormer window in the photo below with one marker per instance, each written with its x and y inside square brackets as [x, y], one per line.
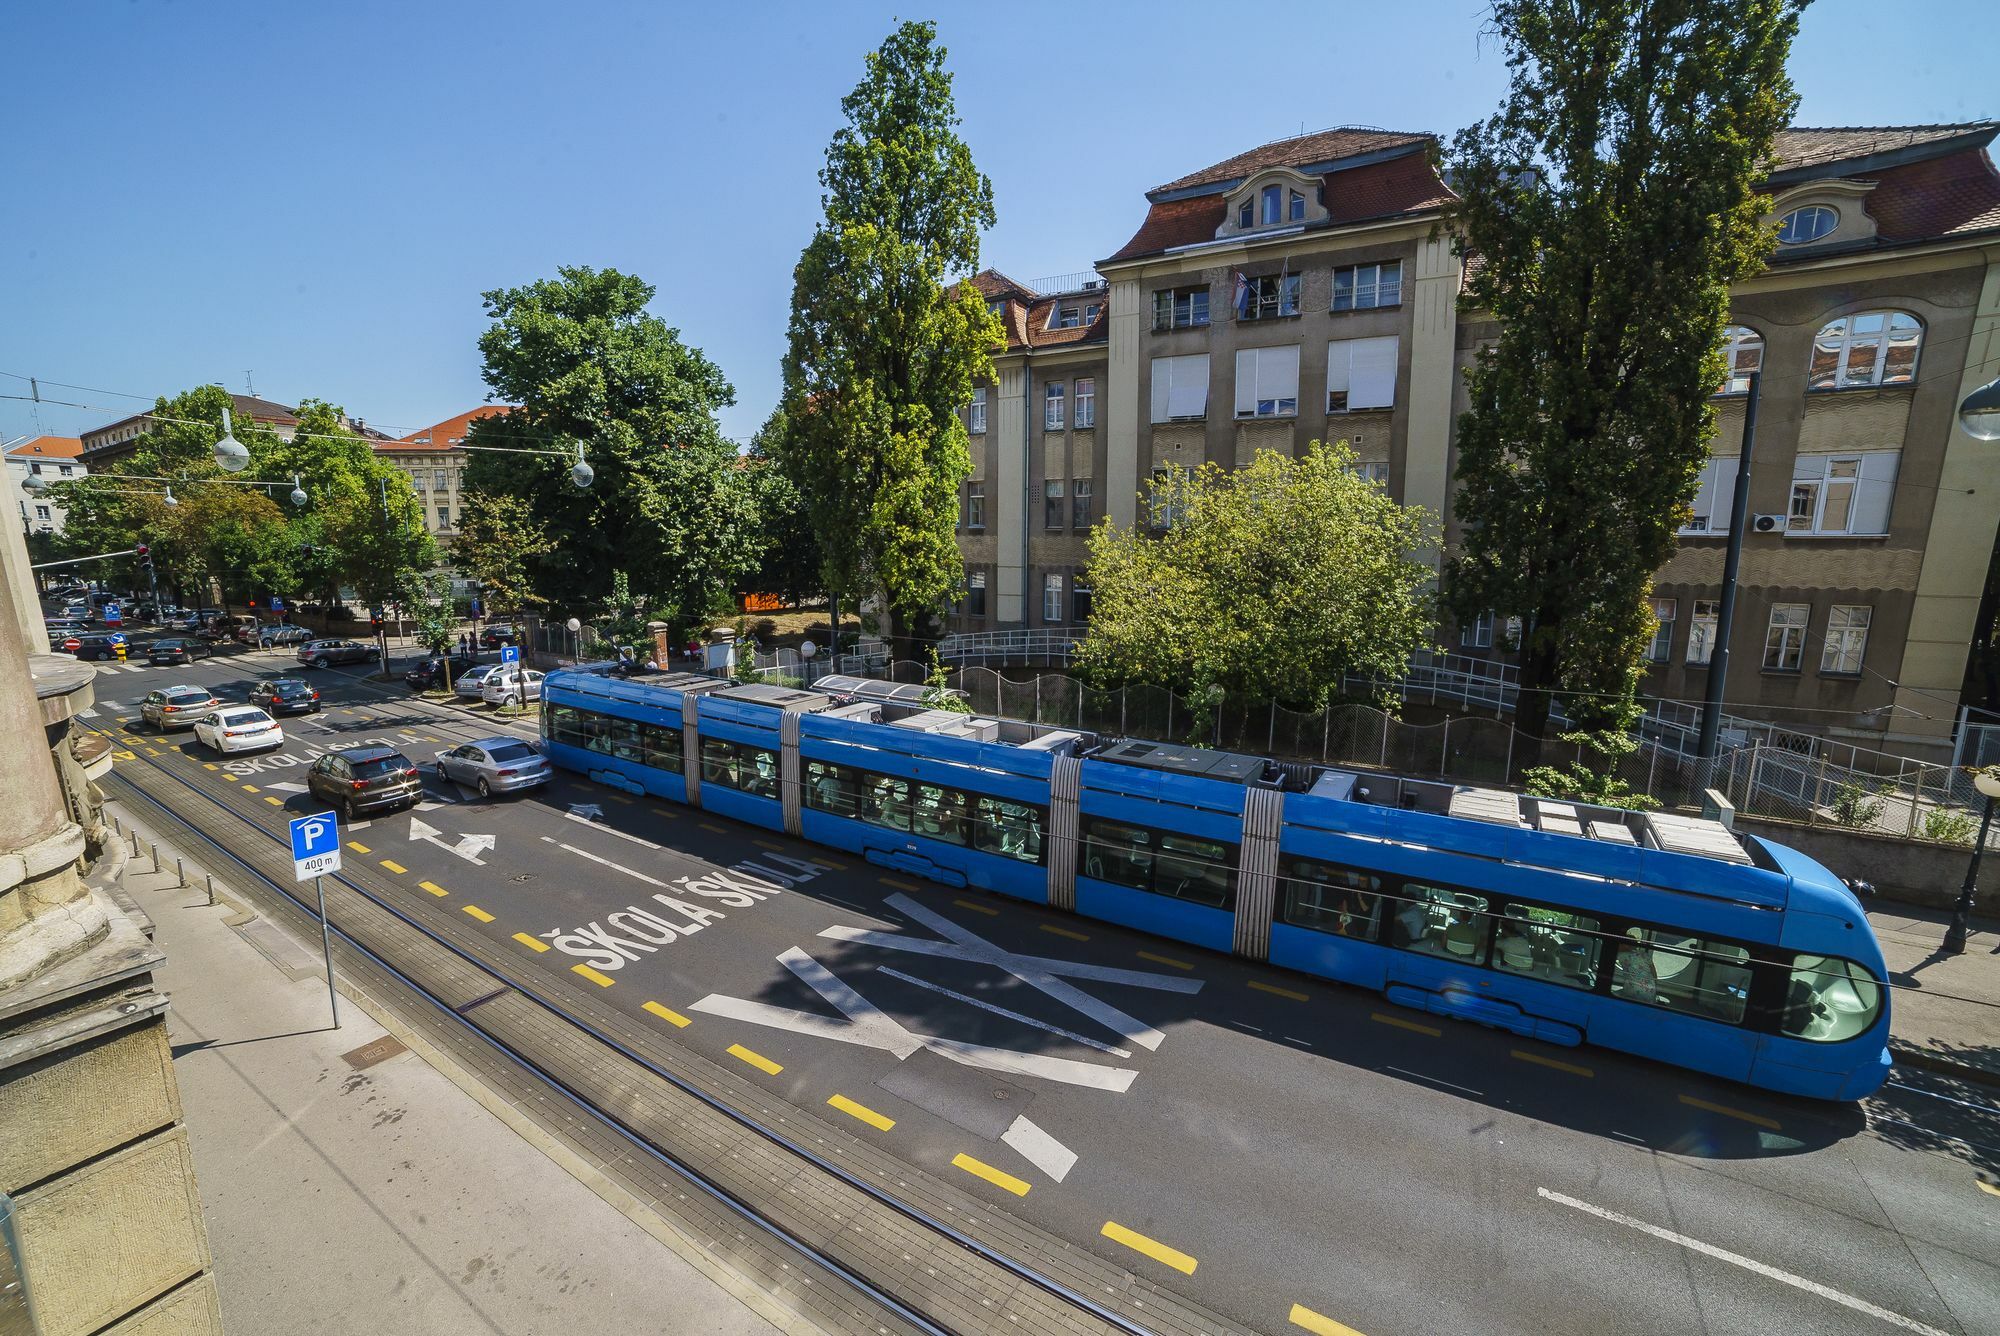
[1065, 317]
[1298, 208]
[1274, 203]
[1809, 224]
[1246, 215]
[997, 306]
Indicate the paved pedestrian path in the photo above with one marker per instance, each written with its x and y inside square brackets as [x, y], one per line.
[1946, 1013]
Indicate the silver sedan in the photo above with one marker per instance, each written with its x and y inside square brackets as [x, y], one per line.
[472, 681]
[494, 765]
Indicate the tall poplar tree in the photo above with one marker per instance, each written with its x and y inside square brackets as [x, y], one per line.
[1606, 208]
[884, 345]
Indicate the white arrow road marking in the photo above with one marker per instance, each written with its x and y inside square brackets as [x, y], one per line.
[1748, 1264]
[286, 788]
[1040, 1149]
[865, 1024]
[1039, 972]
[571, 815]
[469, 847]
[585, 811]
[983, 1005]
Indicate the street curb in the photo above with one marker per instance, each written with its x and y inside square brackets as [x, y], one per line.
[1929, 1061]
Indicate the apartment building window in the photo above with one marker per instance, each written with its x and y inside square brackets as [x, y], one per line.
[1371, 470]
[1363, 287]
[1714, 496]
[1664, 610]
[1871, 348]
[1065, 317]
[1808, 224]
[1052, 584]
[1742, 353]
[1052, 504]
[1079, 601]
[1297, 211]
[64, 470]
[1180, 308]
[1361, 373]
[417, 479]
[1785, 637]
[444, 517]
[1052, 406]
[439, 480]
[1274, 203]
[1090, 311]
[1267, 298]
[1164, 500]
[1267, 382]
[35, 466]
[997, 306]
[42, 512]
[1843, 494]
[1079, 495]
[1701, 632]
[1846, 639]
[1477, 633]
[975, 416]
[1086, 402]
[975, 505]
[975, 594]
[1180, 388]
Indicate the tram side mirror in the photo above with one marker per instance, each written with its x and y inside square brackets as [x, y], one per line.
[1863, 890]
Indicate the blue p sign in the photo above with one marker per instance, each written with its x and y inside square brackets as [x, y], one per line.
[510, 654]
[315, 845]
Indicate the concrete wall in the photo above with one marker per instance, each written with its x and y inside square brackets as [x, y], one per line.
[1911, 871]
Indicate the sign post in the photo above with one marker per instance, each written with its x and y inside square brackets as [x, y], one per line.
[316, 852]
[510, 661]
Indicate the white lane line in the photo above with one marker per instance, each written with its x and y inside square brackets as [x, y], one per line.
[1748, 1264]
[616, 867]
[971, 1001]
[1918, 1090]
[1040, 1149]
[586, 821]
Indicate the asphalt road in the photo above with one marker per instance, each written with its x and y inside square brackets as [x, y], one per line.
[1294, 1155]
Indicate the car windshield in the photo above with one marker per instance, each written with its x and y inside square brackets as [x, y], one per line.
[512, 751]
[168, 644]
[235, 717]
[187, 698]
[381, 765]
[289, 686]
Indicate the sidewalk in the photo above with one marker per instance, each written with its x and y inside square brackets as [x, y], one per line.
[1946, 1012]
[350, 1187]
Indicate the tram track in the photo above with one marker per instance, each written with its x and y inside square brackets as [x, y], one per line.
[911, 1309]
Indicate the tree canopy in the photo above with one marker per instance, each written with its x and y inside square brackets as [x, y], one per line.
[1275, 581]
[1609, 205]
[884, 348]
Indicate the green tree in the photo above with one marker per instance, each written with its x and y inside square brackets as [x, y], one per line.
[498, 546]
[362, 517]
[1276, 582]
[884, 348]
[426, 599]
[1585, 784]
[625, 614]
[788, 559]
[1611, 202]
[586, 364]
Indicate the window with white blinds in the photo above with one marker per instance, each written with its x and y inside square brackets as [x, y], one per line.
[1180, 387]
[1715, 496]
[1361, 373]
[1267, 382]
[1843, 493]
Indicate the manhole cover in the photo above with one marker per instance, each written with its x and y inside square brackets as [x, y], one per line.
[1003, 1094]
[522, 876]
[379, 1050]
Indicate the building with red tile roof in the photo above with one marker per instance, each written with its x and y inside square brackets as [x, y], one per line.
[435, 459]
[53, 459]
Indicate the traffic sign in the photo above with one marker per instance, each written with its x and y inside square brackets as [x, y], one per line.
[113, 615]
[315, 845]
[277, 604]
[510, 654]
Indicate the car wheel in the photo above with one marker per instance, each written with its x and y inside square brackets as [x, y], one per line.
[347, 810]
[315, 708]
[485, 789]
[320, 662]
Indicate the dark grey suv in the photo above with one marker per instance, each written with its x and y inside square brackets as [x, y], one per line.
[365, 779]
[320, 653]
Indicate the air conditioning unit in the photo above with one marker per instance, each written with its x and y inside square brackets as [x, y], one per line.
[1768, 523]
[1093, 284]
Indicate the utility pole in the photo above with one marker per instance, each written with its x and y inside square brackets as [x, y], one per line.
[1718, 661]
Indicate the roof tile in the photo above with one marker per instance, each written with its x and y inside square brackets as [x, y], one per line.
[1343, 141]
[48, 447]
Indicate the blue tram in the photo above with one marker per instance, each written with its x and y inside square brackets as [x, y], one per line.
[1662, 935]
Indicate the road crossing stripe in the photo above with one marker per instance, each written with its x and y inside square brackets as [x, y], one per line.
[1165, 960]
[863, 1112]
[359, 847]
[1555, 1064]
[601, 980]
[972, 905]
[757, 1060]
[482, 915]
[433, 888]
[393, 865]
[669, 1015]
[532, 943]
[713, 828]
[997, 1177]
[1319, 1323]
[1064, 932]
[1153, 1248]
[1273, 989]
[1728, 1112]
[1402, 1024]
[275, 802]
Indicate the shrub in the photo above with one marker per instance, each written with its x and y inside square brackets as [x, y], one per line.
[1856, 806]
[1949, 825]
[1582, 784]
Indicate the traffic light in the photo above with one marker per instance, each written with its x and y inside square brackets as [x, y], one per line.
[145, 555]
[375, 622]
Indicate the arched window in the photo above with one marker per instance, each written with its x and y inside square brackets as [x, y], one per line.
[1742, 353]
[1808, 224]
[1870, 348]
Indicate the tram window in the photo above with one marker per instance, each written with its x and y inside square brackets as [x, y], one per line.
[1013, 830]
[759, 769]
[830, 788]
[1830, 999]
[624, 734]
[1683, 973]
[1195, 869]
[939, 814]
[886, 802]
[662, 747]
[718, 763]
[1118, 853]
[1548, 944]
[1332, 899]
[1441, 922]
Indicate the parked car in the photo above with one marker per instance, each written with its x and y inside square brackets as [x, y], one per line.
[243, 629]
[276, 637]
[470, 684]
[430, 672]
[320, 653]
[177, 651]
[508, 685]
[494, 765]
[94, 647]
[364, 779]
[177, 707]
[285, 695]
[493, 637]
[239, 728]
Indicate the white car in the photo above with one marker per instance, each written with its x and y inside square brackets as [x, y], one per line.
[508, 685]
[472, 682]
[239, 728]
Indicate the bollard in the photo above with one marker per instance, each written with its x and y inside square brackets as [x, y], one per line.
[156, 856]
[135, 844]
[211, 888]
[180, 875]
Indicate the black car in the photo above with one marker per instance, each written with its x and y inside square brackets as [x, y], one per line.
[365, 779]
[320, 653]
[430, 672]
[97, 647]
[493, 637]
[177, 651]
[285, 695]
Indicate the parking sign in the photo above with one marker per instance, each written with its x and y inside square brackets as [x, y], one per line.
[510, 654]
[315, 845]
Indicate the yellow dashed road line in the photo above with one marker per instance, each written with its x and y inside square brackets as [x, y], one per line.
[867, 1115]
[230, 778]
[1064, 932]
[359, 847]
[532, 943]
[755, 1059]
[433, 888]
[972, 905]
[999, 1178]
[1555, 1064]
[619, 798]
[1319, 1323]
[712, 828]
[900, 884]
[1985, 1186]
[1416, 1027]
[1757, 1120]
[669, 1015]
[394, 866]
[769, 844]
[275, 802]
[251, 788]
[209, 765]
[601, 980]
[1275, 991]
[1165, 960]
[477, 913]
[1152, 1248]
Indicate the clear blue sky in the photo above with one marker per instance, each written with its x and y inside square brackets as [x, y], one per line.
[318, 194]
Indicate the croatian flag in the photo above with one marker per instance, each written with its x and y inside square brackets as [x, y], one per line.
[1242, 300]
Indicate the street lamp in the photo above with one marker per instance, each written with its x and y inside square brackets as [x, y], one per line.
[169, 500]
[1987, 781]
[574, 626]
[581, 473]
[1979, 415]
[34, 484]
[231, 455]
[298, 491]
